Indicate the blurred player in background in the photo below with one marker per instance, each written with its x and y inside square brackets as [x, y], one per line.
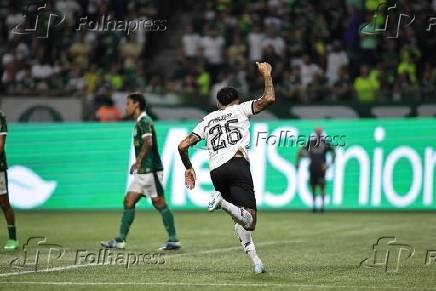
[11, 243]
[316, 149]
[147, 181]
[227, 136]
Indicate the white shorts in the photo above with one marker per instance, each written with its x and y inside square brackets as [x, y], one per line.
[3, 183]
[149, 184]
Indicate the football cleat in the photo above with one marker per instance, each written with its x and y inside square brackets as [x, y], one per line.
[11, 245]
[113, 244]
[171, 245]
[215, 201]
[259, 268]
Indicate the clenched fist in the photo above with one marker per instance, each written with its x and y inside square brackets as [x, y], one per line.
[264, 69]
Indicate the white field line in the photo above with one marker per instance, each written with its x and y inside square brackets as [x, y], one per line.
[205, 252]
[265, 285]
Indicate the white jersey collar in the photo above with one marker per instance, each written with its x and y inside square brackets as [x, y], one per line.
[143, 114]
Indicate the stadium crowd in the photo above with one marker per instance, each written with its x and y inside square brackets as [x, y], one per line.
[320, 50]
[59, 58]
[317, 50]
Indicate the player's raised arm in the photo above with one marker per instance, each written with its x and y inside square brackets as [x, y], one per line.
[184, 145]
[268, 96]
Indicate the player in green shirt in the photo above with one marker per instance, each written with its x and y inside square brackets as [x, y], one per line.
[147, 181]
[12, 243]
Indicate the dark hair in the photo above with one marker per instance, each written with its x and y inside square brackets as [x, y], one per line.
[138, 97]
[227, 95]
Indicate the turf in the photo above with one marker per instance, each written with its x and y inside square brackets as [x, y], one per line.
[301, 251]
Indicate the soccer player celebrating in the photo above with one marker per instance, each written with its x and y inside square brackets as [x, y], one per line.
[147, 181]
[227, 136]
[316, 149]
[12, 243]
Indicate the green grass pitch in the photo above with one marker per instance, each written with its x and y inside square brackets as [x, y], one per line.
[300, 250]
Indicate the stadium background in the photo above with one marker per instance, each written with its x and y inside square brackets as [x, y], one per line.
[69, 144]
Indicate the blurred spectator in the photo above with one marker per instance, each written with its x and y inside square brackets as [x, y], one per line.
[407, 67]
[203, 80]
[308, 70]
[190, 42]
[236, 53]
[69, 8]
[108, 112]
[255, 44]
[155, 86]
[405, 89]
[316, 90]
[287, 87]
[130, 50]
[350, 33]
[365, 86]
[275, 41]
[114, 78]
[391, 59]
[189, 85]
[270, 56]
[76, 82]
[41, 73]
[212, 49]
[368, 41]
[80, 51]
[24, 81]
[342, 89]
[91, 79]
[336, 58]
[170, 97]
[428, 83]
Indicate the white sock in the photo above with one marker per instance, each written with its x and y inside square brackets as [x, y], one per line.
[239, 214]
[247, 243]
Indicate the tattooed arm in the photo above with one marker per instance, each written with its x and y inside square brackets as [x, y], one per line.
[184, 145]
[268, 96]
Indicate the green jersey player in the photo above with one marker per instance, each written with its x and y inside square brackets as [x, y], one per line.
[147, 180]
[12, 243]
